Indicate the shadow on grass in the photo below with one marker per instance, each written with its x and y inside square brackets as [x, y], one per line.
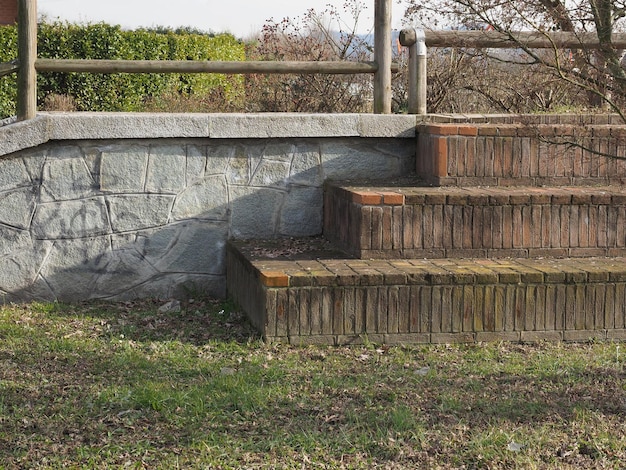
[196, 322]
[124, 382]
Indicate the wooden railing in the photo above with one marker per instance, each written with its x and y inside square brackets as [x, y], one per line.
[28, 64]
[419, 41]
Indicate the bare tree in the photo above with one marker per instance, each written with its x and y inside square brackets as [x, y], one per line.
[599, 73]
[326, 36]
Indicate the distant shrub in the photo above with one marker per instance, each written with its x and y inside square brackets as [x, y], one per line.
[122, 92]
[8, 83]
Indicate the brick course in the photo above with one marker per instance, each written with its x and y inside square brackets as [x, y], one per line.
[479, 222]
[518, 154]
[342, 300]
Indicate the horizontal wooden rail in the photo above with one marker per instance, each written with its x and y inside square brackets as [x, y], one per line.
[195, 66]
[530, 39]
[7, 68]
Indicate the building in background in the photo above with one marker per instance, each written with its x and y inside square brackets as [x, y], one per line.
[8, 12]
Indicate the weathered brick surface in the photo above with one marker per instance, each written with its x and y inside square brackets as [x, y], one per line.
[520, 154]
[479, 222]
[438, 300]
[523, 240]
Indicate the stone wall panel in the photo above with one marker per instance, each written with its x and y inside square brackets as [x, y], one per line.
[132, 216]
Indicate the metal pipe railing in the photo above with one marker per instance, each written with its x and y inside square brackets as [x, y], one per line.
[417, 78]
[418, 40]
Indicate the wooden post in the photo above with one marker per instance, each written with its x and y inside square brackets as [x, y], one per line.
[27, 55]
[382, 57]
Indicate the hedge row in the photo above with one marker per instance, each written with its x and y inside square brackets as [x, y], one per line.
[120, 92]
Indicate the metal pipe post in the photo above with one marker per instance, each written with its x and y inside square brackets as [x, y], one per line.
[417, 79]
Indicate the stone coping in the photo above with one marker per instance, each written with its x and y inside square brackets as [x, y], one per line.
[15, 136]
[87, 126]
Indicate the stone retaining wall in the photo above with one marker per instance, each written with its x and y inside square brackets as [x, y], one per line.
[119, 206]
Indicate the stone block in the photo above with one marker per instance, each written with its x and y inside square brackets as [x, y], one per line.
[397, 125]
[354, 159]
[306, 165]
[19, 269]
[66, 178]
[240, 165]
[23, 135]
[196, 163]
[81, 126]
[17, 207]
[206, 198]
[254, 211]
[271, 174]
[283, 125]
[13, 174]
[166, 169]
[120, 271]
[138, 211]
[193, 247]
[71, 267]
[123, 169]
[175, 285]
[301, 212]
[71, 219]
[13, 240]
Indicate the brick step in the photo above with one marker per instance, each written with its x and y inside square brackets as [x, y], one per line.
[302, 293]
[400, 221]
[469, 154]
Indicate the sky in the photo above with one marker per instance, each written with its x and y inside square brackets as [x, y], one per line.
[243, 18]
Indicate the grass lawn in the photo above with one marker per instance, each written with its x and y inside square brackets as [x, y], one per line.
[125, 386]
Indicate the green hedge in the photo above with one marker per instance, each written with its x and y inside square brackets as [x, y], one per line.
[8, 83]
[121, 92]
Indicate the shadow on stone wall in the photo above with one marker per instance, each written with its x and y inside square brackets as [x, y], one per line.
[129, 219]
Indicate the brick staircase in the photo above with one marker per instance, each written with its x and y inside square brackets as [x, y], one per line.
[504, 234]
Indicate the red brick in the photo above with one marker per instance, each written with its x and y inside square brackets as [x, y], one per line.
[418, 229]
[438, 226]
[366, 197]
[274, 279]
[387, 229]
[440, 157]
[448, 225]
[488, 130]
[282, 313]
[583, 335]
[392, 199]
[537, 336]
[468, 130]
[442, 129]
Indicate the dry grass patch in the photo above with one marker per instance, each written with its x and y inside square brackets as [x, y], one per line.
[124, 385]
